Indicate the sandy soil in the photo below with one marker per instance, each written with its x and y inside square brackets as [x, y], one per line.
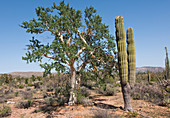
[111, 104]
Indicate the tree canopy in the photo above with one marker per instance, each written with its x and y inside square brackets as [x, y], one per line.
[79, 41]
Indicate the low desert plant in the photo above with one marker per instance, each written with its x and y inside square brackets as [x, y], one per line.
[24, 104]
[16, 93]
[21, 86]
[27, 95]
[103, 114]
[5, 111]
[50, 101]
[132, 115]
[152, 93]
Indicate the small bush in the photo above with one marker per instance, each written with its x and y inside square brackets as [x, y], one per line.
[151, 93]
[107, 90]
[84, 92]
[50, 101]
[50, 89]
[132, 114]
[24, 104]
[16, 94]
[26, 81]
[30, 84]
[37, 85]
[61, 101]
[21, 86]
[103, 114]
[27, 95]
[85, 101]
[5, 111]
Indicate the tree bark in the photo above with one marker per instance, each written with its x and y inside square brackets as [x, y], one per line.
[72, 99]
[78, 82]
[126, 91]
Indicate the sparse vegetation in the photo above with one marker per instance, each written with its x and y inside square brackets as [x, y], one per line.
[5, 111]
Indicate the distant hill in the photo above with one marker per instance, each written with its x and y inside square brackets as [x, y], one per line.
[138, 70]
[148, 68]
[26, 74]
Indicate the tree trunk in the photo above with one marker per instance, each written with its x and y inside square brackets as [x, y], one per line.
[78, 82]
[72, 99]
[126, 91]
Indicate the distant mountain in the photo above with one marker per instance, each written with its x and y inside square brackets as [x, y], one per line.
[148, 68]
[138, 70]
[26, 74]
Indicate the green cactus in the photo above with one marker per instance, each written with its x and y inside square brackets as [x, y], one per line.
[127, 74]
[131, 57]
[149, 77]
[166, 65]
[121, 45]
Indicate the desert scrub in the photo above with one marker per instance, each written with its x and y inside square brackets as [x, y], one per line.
[104, 114]
[5, 111]
[16, 93]
[107, 90]
[50, 101]
[152, 93]
[21, 86]
[82, 97]
[27, 95]
[24, 104]
[131, 115]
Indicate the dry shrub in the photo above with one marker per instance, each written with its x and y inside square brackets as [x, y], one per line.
[5, 111]
[104, 114]
[27, 94]
[24, 104]
[152, 93]
[107, 90]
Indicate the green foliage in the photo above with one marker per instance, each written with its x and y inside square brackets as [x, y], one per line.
[30, 84]
[66, 27]
[26, 80]
[132, 114]
[21, 86]
[16, 94]
[5, 111]
[5, 78]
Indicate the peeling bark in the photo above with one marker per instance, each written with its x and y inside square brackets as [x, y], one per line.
[72, 99]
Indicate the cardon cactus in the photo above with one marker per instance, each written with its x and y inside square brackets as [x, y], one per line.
[131, 57]
[127, 74]
[149, 77]
[121, 46]
[166, 65]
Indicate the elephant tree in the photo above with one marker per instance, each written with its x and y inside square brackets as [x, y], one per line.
[127, 74]
[77, 44]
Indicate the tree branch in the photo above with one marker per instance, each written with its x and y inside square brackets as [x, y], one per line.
[80, 51]
[78, 33]
[65, 61]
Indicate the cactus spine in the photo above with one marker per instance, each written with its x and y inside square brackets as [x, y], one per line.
[127, 74]
[166, 65]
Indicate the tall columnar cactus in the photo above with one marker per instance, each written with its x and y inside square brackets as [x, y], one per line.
[121, 45]
[131, 57]
[127, 75]
[149, 77]
[166, 65]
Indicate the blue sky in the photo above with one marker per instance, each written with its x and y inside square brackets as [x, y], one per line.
[149, 18]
